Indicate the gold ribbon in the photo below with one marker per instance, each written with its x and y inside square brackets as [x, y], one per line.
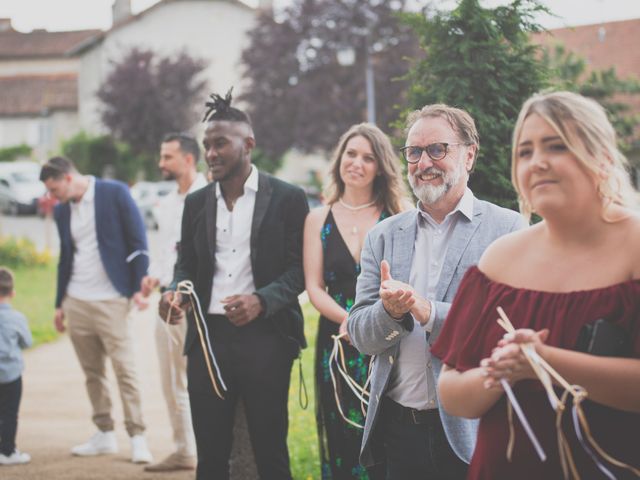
[337, 358]
[544, 372]
[186, 288]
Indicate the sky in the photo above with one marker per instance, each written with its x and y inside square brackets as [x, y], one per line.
[57, 15]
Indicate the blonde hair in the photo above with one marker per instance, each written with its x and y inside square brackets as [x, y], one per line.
[583, 126]
[460, 121]
[388, 186]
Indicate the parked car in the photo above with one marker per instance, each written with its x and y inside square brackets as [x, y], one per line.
[147, 195]
[20, 187]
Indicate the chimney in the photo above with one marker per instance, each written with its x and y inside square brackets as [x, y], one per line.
[121, 10]
[5, 25]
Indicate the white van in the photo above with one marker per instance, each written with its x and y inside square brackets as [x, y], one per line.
[20, 187]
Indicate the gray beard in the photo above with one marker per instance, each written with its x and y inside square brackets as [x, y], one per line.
[430, 194]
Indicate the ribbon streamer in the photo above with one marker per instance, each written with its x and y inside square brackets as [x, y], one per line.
[186, 288]
[523, 420]
[544, 372]
[337, 358]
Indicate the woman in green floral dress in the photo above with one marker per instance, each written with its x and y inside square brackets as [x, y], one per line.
[365, 186]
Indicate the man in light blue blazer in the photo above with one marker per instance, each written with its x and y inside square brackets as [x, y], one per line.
[103, 257]
[411, 267]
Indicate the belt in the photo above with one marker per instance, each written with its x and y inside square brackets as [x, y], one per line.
[408, 415]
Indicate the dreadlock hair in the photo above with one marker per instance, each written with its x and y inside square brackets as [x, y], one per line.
[219, 108]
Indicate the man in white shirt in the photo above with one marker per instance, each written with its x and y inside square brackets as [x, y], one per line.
[103, 257]
[179, 154]
[242, 249]
[412, 264]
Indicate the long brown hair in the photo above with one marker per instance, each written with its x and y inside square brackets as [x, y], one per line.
[388, 186]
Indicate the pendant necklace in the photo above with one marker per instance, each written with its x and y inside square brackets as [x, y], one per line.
[354, 228]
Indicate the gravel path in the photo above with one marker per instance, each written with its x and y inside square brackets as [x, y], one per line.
[55, 415]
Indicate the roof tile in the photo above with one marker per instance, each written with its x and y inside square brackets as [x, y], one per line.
[40, 43]
[35, 94]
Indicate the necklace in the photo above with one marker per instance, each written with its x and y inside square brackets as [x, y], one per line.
[354, 228]
[355, 209]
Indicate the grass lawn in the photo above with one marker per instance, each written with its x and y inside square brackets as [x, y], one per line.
[303, 438]
[35, 294]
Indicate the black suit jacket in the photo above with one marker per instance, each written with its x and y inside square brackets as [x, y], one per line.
[276, 254]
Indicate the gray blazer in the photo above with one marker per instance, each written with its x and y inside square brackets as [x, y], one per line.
[374, 332]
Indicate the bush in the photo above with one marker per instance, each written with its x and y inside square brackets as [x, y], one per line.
[9, 154]
[103, 156]
[20, 252]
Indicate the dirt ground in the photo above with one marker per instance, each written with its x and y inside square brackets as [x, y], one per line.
[55, 415]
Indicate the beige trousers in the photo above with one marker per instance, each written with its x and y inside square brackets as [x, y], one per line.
[101, 329]
[173, 375]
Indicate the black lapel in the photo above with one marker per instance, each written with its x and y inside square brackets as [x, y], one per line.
[97, 208]
[210, 212]
[263, 197]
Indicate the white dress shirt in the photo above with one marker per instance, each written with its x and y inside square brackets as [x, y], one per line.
[89, 280]
[168, 212]
[233, 274]
[412, 383]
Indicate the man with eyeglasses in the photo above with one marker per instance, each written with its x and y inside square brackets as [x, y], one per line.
[411, 267]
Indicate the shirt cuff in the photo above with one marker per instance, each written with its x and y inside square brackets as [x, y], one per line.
[427, 327]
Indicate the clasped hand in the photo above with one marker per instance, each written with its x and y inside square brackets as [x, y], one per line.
[507, 360]
[399, 298]
[173, 307]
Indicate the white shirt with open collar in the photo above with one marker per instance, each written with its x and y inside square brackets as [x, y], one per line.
[412, 382]
[233, 274]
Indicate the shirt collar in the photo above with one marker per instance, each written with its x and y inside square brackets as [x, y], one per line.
[90, 193]
[250, 183]
[464, 206]
[198, 183]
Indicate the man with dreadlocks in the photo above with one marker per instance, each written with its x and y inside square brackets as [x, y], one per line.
[242, 249]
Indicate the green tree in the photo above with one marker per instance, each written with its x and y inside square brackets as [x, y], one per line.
[481, 60]
[299, 95]
[102, 155]
[568, 71]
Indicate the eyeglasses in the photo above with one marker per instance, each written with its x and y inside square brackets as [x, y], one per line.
[435, 151]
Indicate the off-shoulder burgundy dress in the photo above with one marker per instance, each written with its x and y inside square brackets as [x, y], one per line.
[471, 332]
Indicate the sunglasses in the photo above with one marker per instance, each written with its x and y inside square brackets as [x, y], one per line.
[435, 151]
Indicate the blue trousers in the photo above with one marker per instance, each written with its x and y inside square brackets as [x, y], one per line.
[10, 394]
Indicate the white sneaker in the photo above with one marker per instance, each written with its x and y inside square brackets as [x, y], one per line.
[139, 450]
[100, 444]
[16, 458]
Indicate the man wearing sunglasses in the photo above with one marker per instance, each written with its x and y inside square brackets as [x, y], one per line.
[411, 267]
